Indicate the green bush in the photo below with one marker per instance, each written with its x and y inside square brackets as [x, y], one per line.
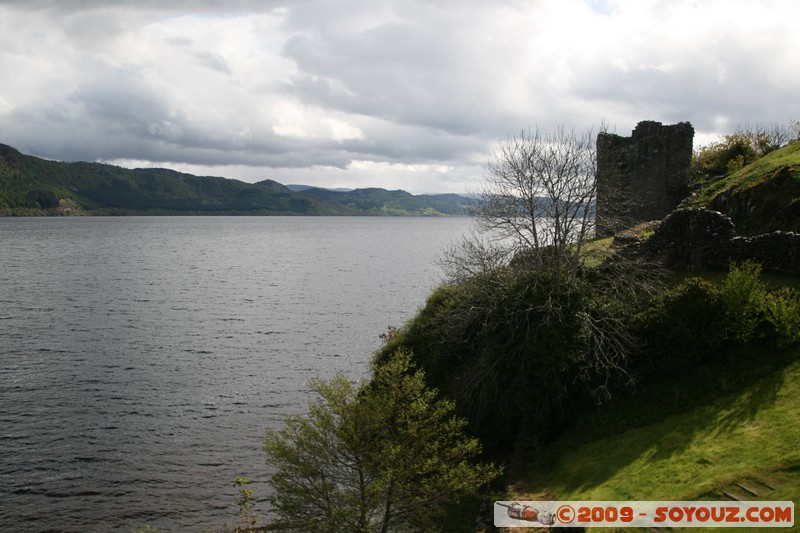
[756, 314]
[723, 157]
[743, 297]
[521, 350]
[387, 455]
[684, 327]
[699, 322]
[516, 349]
[741, 148]
[783, 314]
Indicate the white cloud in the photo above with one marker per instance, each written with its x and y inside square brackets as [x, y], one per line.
[290, 121]
[341, 130]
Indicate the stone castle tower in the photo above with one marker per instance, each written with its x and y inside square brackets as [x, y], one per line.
[642, 177]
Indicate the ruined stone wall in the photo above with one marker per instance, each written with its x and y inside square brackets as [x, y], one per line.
[706, 240]
[644, 176]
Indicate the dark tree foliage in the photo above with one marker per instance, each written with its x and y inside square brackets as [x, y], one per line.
[42, 198]
[519, 349]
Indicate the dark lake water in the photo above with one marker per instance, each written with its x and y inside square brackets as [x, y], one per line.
[142, 359]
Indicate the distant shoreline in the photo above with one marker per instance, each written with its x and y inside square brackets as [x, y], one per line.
[40, 213]
[31, 186]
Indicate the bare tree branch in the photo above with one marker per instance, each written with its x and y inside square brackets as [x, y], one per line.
[538, 194]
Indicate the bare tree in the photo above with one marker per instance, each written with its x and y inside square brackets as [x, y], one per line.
[538, 194]
[765, 138]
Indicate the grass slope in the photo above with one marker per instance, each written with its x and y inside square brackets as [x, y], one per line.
[761, 197]
[748, 437]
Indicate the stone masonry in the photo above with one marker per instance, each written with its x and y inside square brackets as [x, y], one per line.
[642, 177]
[706, 240]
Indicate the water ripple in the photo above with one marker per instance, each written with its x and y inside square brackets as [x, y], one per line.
[141, 359]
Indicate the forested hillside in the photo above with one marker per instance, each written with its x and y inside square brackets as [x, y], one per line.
[34, 186]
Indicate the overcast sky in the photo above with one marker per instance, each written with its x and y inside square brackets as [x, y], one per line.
[388, 93]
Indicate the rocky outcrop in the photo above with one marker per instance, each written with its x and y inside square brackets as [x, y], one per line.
[769, 205]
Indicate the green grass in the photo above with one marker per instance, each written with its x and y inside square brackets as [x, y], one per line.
[694, 454]
[597, 250]
[761, 197]
[753, 174]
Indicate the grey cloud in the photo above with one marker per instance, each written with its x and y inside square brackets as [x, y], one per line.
[213, 62]
[408, 144]
[118, 115]
[411, 82]
[180, 41]
[121, 101]
[400, 69]
[200, 6]
[691, 91]
[405, 70]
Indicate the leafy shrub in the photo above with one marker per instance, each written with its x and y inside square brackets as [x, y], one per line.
[723, 157]
[387, 455]
[684, 327]
[522, 350]
[741, 148]
[743, 297]
[783, 314]
[700, 322]
[757, 314]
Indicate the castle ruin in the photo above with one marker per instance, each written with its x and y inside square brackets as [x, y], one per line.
[642, 177]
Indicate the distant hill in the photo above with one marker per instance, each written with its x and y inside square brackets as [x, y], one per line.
[383, 202]
[33, 186]
[299, 187]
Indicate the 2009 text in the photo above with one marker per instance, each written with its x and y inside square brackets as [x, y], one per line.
[644, 514]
